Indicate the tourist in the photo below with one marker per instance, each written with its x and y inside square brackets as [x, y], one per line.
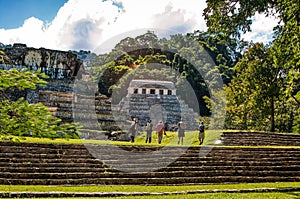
[201, 133]
[149, 127]
[133, 128]
[166, 128]
[181, 131]
[160, 128]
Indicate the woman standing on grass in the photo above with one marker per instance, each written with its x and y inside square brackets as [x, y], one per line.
[181, 131]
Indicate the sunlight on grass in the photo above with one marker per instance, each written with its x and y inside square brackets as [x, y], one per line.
[171, 139]
[212, 137]
[139, 188]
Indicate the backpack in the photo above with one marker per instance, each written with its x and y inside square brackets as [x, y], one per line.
[201, 128]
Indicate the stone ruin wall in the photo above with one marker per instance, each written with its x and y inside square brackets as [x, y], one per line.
[61, 66]
[56, 64]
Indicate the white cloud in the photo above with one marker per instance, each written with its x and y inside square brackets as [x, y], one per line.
[86, 24]
[79, 24]
[262, 29]
[31, 33]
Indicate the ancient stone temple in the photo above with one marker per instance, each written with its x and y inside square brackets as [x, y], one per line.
[156, 100]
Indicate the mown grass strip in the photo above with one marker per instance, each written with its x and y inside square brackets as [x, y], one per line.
[191, 139]
[139, 188]
[119, 194]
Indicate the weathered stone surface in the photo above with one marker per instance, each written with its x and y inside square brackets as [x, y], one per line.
[61, 66]
[56, 64]
[247, 138]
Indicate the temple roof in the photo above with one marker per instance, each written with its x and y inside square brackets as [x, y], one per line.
[142, 83]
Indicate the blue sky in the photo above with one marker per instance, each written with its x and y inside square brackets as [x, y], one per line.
[86, 24]
[14, 12]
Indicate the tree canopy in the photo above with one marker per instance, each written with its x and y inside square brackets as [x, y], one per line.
[273, 91]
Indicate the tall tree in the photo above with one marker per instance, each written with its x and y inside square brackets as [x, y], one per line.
[231, 18]
[255, 89]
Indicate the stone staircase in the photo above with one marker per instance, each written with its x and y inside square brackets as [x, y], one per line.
[64, 164]
[188, 115]
[259, 139]
[93, 112]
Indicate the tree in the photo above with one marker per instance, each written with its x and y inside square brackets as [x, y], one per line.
[254, 90]
[19, 118]
[231, 18]
[4, 59]
[108, 75]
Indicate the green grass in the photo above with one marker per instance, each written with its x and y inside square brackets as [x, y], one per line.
[191, 139]
[224, 196]
[151, 189]
[273, 195]
[140, 188]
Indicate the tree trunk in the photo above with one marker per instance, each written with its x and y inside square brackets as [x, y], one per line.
[272, 127]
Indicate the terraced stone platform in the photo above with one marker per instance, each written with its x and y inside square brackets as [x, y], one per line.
[260, 139]
[63, 164]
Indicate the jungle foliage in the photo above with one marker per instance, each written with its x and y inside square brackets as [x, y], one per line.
[20, 118]
[265, 92]
[196, 59]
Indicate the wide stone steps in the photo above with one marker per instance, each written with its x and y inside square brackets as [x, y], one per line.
[69, 168]
[133, 168]
[62, 164]
[150, 181]
[259, 139]
[84, 107]
[187, 174]
[154, 156]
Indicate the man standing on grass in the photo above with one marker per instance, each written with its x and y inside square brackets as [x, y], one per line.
[160, 128]
[201, 133]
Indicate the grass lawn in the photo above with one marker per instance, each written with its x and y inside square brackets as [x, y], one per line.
[273, 195]
[140, 188]
[151, 189]
[191, 139]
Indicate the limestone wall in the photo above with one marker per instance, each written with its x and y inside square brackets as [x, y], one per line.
[56, 64]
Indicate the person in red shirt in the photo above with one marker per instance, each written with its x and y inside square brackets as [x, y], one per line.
[160, 129]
